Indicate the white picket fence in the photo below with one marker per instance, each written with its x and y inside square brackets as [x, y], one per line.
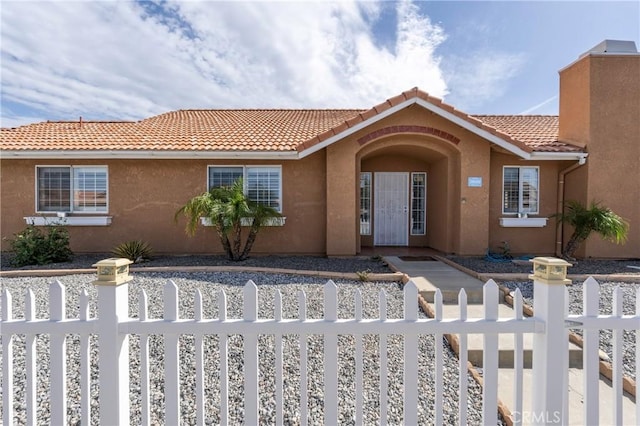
[113, 328]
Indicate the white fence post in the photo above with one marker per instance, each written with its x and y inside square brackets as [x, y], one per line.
[113, 364]
[551, 353]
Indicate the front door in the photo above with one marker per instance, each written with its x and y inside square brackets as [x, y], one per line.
[391, 208]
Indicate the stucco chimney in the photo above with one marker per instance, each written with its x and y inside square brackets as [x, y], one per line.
[600, 111]
[606, 74]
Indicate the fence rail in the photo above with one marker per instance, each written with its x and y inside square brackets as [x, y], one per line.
[113, 327]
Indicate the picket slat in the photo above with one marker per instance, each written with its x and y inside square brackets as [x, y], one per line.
[145, 401]
[171, 357]
[359, 385]
[384, 375]
[463, 381]
[279, 361]
[410, 352]
[439, 370]
[250, 344]
[518, 361]
[304, 404]
[58, 356]
[224, 361]
[199, 360]
[85, 360]
[618, 346]
[30, 359]
[330, 355]
[490, 357]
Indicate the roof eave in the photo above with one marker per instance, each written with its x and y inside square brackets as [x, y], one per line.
[147, 154]
[431, 107]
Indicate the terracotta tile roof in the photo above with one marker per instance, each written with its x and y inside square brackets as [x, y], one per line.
[258, 130]
[183, 130]
[540, 132]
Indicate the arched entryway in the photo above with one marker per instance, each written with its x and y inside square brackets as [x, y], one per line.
[408, 187]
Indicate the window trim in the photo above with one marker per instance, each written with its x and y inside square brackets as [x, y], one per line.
[71, 189]
[424, 205]
[520, 191]
[244, 176]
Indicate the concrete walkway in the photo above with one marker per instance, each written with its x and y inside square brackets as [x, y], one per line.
[429, 274]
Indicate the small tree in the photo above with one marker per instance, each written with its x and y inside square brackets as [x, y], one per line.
[585, 220]
[229, 210]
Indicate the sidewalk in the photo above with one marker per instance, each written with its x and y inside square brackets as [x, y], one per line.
[430, 274]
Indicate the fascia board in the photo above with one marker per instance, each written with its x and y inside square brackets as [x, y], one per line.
[550, 156]
[147, 155]
[431, 107]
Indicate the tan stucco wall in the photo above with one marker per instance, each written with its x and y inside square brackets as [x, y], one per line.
[611, 133]
[145, 194]
[536, 241]
[457, 218]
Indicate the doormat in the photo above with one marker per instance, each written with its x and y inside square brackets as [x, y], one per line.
[418, 259]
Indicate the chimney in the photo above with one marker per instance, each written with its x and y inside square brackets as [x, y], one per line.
[599, 85]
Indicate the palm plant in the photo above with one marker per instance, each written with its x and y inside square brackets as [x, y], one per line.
[229, 210]
[584, 221]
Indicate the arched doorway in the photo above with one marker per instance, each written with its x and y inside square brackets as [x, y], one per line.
[408, 184]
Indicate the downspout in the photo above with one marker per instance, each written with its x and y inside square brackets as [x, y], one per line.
[561, 177]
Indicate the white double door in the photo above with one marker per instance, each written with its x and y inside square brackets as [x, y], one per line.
[391, 209]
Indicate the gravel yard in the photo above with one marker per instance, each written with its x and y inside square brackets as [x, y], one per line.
[209, 284]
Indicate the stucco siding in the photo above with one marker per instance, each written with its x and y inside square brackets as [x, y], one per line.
[145, 194]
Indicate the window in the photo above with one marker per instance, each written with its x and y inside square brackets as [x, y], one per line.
[418, 203]
[520, 190]
[261, 183]
[365, 203]
[71, 189]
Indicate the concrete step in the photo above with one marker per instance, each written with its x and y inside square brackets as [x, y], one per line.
[450, 292]
[576, 399]
[506, 342]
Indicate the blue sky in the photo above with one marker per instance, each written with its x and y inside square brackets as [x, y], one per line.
[131, 60]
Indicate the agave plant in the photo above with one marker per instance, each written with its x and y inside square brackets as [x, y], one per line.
[595, 218]
[229, 210]
[136, 251]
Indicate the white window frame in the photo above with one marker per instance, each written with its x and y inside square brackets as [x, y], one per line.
[424, 205]
[521, 209]
[366, 226]
[71, 189]
[245, 169]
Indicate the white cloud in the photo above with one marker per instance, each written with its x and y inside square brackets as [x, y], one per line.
[482, 76]
[126, 61]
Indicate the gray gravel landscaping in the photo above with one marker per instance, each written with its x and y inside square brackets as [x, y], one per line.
[209, 284]
[606, 306]
[581, 267]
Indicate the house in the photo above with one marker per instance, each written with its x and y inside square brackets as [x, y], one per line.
[411, 171]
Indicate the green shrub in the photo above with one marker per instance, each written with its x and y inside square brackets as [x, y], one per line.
[136, 251]
[32, 246]
[363, 276]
